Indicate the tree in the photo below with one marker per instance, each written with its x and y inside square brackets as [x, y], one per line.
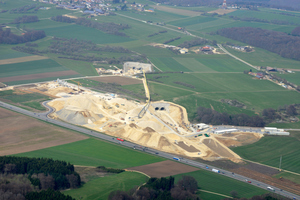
[291, 110]
[234, 194]
[188, 183]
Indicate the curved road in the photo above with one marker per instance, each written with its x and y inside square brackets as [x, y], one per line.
[44, 117]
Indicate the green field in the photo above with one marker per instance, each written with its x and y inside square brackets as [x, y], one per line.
[269, 149]
[293, 77]
[84, 33]
[93, 152]
[100, 188]
[262, 57]
[31, 67]
[191, 102]
[192, 21]
[220, 184]
[25, 97]
[255, 94]
[7, 53]
[264, 15]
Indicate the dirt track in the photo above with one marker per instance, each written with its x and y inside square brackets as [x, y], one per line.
[21, 59]
[164, 169]
[20, 134]
[38, 76]
[118, 80]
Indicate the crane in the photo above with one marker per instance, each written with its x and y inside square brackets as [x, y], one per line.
[78, 83]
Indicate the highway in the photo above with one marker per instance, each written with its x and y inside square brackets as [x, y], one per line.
[44, 117]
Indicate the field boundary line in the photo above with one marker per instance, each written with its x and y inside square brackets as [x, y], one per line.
[223, 195]
[131, 170]
[283, 170]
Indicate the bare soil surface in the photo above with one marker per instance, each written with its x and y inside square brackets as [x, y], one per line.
[21, 59]
[177, 11]
[118, 80]
[164, 169]
[38, 76]
[283, 183]
[188, 148]
[217, 148]
[238, 139]
[20, 133]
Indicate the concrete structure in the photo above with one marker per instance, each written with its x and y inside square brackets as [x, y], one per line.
[136, 67]
[225, 131]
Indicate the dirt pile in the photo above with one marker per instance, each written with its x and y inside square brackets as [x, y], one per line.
[163, 129]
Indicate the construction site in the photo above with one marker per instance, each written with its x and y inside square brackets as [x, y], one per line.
[159, 125]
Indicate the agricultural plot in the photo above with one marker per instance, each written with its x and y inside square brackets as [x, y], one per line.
[293, 78]
[157, 16]
[84, 33]
[100, 188]
[192, 21]
[33, 71]
[159, 91]
[264, 15]
[259, 99]
[169, 64]
[255, 94]
[220, 184]
[93, 152]
[191, 102]
[262, 57]
[20, 133]
[7, 53]
[273, 147]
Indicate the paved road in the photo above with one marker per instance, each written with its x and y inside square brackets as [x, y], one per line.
[43, 117]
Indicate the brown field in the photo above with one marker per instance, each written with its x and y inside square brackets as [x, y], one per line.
[20, 133]
[117, 79]
[38, 76]
[164, 169]
[21, 59]
[177, 11]
[222, 11]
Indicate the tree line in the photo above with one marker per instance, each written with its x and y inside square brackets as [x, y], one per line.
[25, 9]
[42, 172]
[209, 116]
[110, 28]
[171, 40]
[25, 19]
[285, 45]
[157, 33]
[77, 50]
[161, 189]
[184, 84]
[296, 31]
[273, 21]
[196, 42]
[7, 37]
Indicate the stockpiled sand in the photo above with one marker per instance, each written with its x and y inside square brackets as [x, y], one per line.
[118, 117]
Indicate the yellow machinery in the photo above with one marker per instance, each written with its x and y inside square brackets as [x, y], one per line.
[78, 83]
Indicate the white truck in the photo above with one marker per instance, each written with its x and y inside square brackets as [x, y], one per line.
[270, 188]
[215, 170]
